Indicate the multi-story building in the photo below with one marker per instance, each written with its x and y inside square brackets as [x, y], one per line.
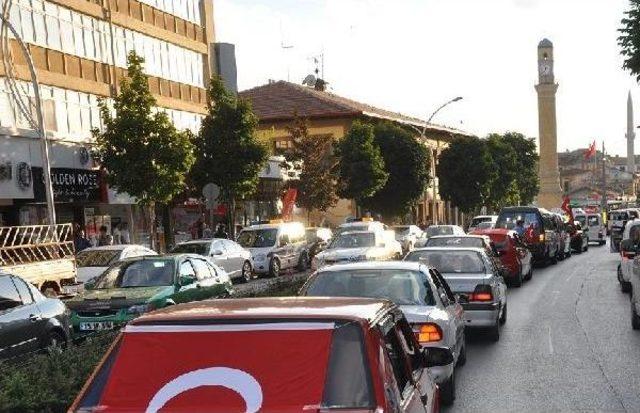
[79, 50]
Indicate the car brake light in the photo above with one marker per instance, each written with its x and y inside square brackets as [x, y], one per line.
[427, 333]
[541, 237]
[481, 293]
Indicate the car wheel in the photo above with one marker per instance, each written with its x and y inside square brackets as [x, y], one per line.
[518, 280]
[503, 317]
[601, 243]
[586, 247]
[619, 273]
[448, 390]
[303, 262]
[494, 332]
[247, 271]
[529, 275]
[462, 357]
[635, 318]
[554, 259]
[625, 286]
[274, 267]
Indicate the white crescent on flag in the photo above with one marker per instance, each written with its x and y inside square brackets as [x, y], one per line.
[239, 381]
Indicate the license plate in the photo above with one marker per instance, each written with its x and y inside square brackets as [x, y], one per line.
[96, 326]
[70, 289]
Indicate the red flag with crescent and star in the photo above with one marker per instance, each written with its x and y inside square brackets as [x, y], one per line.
[591, 151]
[566, 207]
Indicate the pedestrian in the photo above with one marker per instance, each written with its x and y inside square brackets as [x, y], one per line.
[117, 235]
[125, 236]
[221, 232]
[519, 228]
[104, 238]
[80, 241]
[206, 232]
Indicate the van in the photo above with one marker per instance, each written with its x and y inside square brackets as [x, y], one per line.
[276, 246]
[593, 225]
[617, 221]
[365, 224]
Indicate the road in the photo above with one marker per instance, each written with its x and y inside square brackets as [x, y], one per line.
[567, 345]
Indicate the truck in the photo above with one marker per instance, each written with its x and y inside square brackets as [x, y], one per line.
[43, 255]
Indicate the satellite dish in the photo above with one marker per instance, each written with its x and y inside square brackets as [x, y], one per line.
[211, 192]
[310, 80]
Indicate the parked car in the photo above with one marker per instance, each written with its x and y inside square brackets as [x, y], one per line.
[275, 247]
[363, 224]
[227, 254]
[488, 220]
[356, 246]
[135, 286]
[544, 243]
[333, 354]
[435, 230]
[592, 224]
[423, 296]
[579, 239]
[317, 240]
[514, 255]
[628, 252]
[617, 221]
[475, 279]
[407, 236]
[564, 237]
[93, 261]
[29, 321]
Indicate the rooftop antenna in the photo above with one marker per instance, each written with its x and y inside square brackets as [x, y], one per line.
[284, 46]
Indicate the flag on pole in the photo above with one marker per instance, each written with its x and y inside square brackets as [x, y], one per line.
[566, 207]
[591, 151]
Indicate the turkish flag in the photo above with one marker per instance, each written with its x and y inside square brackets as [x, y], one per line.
[566, 207]
[591, 151]
[217, 371]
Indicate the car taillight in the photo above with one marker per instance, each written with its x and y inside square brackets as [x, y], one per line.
[481, 293]
[541, 237]
[427, 333]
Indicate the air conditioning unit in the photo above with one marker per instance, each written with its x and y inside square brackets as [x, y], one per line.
[6, 171]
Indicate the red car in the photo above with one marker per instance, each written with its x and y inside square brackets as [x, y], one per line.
[513, 253]
[316, 355]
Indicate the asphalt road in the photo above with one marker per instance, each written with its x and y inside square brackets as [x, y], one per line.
[567, 345]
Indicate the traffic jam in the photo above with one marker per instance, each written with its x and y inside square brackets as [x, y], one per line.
[380, 323]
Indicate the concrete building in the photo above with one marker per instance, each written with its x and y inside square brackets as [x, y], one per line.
[79, 49]
[550, 195]
[276, 104]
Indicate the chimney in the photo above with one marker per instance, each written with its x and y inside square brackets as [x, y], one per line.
[321, 85]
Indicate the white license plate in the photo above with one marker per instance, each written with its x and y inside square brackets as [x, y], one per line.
[96, 326]
[70, 289]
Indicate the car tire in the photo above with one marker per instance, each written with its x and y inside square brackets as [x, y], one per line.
[586, 247]
[494, 332]
[554, 259]
[274, 267]
[448, 390]
[529, 275]
[503, 317]
[462, 357]
[247, 272]
[517, 282]
[619, 274]
[635, 318]
[601, 243]
[303, 262]
[625, 286]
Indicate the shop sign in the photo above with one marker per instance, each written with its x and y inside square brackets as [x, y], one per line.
[72, 185]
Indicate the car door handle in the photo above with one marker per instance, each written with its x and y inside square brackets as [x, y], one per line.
[33, 318]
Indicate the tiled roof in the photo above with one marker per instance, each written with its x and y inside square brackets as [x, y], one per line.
[280, 100]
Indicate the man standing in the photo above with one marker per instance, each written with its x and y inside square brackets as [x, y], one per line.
[221, 232]
[519, 228]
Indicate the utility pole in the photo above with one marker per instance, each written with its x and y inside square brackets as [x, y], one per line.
[604, 182]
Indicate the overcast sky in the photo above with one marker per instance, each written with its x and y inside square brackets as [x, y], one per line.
[412, 55]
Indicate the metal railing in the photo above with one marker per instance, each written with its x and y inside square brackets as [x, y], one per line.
[35, 243]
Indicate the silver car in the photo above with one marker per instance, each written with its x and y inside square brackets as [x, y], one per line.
[227, 254]
[422, 294]
[475, 278]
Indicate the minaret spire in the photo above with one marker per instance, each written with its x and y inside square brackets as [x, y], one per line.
[631, 135]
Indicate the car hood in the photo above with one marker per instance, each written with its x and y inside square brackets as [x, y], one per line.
[117, 297]
[343, 253]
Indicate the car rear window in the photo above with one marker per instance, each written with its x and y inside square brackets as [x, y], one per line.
[455, 242]
[266, 366]
[508, 219]
[97, 258]
[435, 230]
[449, 261]
[200, 248]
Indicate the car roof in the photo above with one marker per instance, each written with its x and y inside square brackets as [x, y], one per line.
[116, 247]
[272, 225]
[357, 231]
[200, 241]
[359, 309]
[495, 231]
[378, 265]
[167, 256]
[459, 236]
[449, 249]
[525, 209]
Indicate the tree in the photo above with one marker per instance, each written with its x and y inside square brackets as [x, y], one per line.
[361, 170]
[140, 149]
[504, 166]
[629, 39]
[407, 162]
[228, 152]
[526, 179]
[313, 158]
[464, 171]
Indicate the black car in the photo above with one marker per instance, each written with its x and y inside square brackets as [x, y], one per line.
[29, 321]
[545, 243]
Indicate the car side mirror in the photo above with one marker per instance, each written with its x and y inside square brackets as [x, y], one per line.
[437, 356]
[216, 252]
[186, 280]
[462, 298]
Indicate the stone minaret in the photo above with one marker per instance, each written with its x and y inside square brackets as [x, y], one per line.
[550, 195]
[631, 135]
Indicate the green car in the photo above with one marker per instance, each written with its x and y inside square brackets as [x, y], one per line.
[135, 286]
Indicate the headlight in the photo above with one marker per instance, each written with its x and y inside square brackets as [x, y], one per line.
[259, 257]
[139, 309]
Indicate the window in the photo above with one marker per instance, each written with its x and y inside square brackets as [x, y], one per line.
[53, 25]
[412, 349]
[23, 290]
[186, 270]
[9, 297]
[394, 351]
[202, 269]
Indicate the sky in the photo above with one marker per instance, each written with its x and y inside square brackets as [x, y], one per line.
[411, 56]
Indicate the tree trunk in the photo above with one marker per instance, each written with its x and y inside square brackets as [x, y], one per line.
[167, 225]
[151, 216]
[232, 216]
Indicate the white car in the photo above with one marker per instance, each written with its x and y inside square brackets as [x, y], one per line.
[592, 224]
[627, 255]
[407, 236]
[227, 254]
[366, 224]
[354, 246]
[93, 261]
[477, 220]
[435, 230]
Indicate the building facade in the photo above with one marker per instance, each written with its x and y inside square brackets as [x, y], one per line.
[79, 50]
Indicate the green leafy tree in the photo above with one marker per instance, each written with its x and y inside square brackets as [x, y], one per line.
[228, 152]
[140, 149]
[465, 173]
[526, 178]
[504, 160]
[629, 39]
[313, 158]
[407, 162]
[361, 169]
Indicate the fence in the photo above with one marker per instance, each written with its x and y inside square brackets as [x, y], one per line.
[35, 243]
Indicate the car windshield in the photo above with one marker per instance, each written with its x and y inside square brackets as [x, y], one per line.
[354, 240]
[594, 220]
[258, 238]
[478, 220]
[618, 216]
[349, 228]
[581, 219]
[401, 230]
[201, 248]
[472, 242]
[449, 261]
[435, 230]
[403, 287]
[148, 272]
[484, 225]
[97, 258]
[509, 219]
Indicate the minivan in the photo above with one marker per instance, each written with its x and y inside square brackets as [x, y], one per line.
[592, 224]
[545, 242]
